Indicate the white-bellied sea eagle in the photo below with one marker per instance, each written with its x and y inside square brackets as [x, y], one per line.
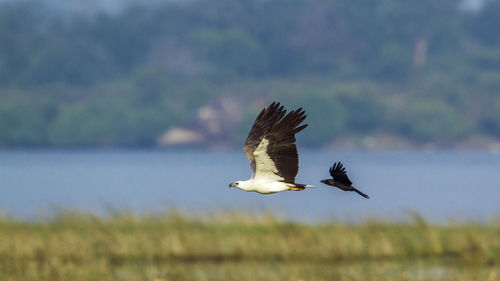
[271, 150]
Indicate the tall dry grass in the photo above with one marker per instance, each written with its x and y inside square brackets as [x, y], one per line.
[237, 247]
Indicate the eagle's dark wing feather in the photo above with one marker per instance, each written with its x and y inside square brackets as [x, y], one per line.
[282, 148]
[338, 173]
[279, 130]
[264, 122]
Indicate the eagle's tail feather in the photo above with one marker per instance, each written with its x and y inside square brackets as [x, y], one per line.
[299, 186]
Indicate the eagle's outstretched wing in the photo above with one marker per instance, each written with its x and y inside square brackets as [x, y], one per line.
[270, 145]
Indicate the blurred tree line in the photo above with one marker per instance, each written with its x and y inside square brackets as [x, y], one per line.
[425, 71]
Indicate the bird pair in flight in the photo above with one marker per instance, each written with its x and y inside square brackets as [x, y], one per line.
[272, 152]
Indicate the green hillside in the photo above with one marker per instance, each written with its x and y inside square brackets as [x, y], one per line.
[422, 72]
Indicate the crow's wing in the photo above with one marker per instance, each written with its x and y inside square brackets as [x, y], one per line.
[338, 173]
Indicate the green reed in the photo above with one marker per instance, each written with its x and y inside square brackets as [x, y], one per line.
[229, 246]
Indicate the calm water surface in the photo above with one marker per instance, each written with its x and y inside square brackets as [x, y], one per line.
[438, 185]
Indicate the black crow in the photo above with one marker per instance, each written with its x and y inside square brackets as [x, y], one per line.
[340, 179]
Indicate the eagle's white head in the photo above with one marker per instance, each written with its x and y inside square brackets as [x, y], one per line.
[240, 184]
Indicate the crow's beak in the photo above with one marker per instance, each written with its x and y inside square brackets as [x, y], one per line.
[324, 181]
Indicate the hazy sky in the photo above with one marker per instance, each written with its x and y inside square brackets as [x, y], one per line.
[115, 5]
[87, 5]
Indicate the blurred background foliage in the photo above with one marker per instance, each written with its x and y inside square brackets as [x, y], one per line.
[421, 71]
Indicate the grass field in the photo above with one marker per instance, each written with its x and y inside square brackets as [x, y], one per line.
[239, 247]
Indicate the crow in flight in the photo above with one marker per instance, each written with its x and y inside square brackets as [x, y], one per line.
[340, 179]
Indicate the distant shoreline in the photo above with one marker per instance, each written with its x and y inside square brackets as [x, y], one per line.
[343, 145]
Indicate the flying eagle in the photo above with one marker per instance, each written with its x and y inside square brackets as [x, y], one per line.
[341, 180]
[270, 148]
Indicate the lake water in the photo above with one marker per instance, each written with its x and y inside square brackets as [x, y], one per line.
[438, 185]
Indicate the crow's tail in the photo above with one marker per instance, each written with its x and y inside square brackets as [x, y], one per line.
[360, 193]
